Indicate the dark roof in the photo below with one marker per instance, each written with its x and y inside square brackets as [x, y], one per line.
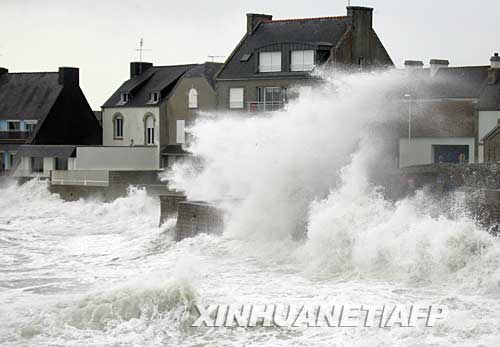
[491, 133]
[155, 79]
[46, 151]
[207, 70]
[324, 31]
[161, 79]
[449, 83]
[28, 95]
[490, 96]
[174, 150]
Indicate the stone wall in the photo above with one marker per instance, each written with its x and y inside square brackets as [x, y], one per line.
[196, 218]
[169, 205]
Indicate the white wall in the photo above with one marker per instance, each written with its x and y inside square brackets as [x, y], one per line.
[487, 121]
[116, 158]
[133, 125]
[418, 151]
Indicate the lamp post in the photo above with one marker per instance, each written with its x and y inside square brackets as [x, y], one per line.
[409, 115]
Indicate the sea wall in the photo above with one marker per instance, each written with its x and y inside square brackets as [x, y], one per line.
[197, 217]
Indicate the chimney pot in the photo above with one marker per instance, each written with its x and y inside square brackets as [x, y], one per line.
[413, 64]
[253, 19]
[437, 64]
[137, 68]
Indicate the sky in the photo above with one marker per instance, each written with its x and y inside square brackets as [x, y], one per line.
[101, 36]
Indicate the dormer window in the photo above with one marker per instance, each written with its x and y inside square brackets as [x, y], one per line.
[302, 60]
[270, 62]
[125, 97]
[154, 97]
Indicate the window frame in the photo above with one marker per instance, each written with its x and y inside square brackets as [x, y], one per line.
[32, 167]
[116, 136]
[303, 67]
[149, 135]
[192, 98]
[272, 67]
[232, 104]
[180, 135]
[18, 122]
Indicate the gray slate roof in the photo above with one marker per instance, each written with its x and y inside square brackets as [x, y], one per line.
[41, 151]
[28, 95]
[207, 70]
[321, 31]
[450, 83]
[159, 79]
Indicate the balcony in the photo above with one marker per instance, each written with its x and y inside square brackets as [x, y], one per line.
[259, 107]
[14, 136]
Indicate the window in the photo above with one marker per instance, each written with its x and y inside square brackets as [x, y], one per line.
[236, 98]
[14, 125]
[118, 126]
[361, 62]
[154, 97]
[36, 164]
[2, 161]
[150, 130]
[61, 163]
[125, 97]
[193, 98]
[30, 125]
[181, 132]
[302, 60]
[270, 61]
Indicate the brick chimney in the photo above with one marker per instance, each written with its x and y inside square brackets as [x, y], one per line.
[137, 68]
[3, 70]
[413, 64]
[254, 18]
[494, 72]
[437, 64]
[362, 24]
[495, 61]
[69, 76]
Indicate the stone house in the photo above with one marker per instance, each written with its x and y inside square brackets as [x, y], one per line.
[40, 111]
[144, 121]
[274, 56]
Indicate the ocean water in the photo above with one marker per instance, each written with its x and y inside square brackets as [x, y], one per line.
[90, 273]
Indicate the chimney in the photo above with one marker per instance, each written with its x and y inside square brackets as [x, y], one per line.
[495, 61]
[437, 64]
[494, 72]
[413, 64]
[3, 70]
[362, 23]
[254, 18]
[137, 68]
[69, 76]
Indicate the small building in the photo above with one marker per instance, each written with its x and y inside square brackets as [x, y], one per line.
[144, 122]
[491, 143]
[439, 113]
[275, 56]
[40, 110]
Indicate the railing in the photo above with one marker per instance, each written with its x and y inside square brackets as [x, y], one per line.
[93, 178]
[258, 106]
[14, 135]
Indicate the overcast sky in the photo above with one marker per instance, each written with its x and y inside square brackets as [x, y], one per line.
[100, 36]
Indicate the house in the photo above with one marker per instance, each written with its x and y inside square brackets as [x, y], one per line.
[144, 121]
[488, 107]
[446, 112]
[38, 112]
[274, 56]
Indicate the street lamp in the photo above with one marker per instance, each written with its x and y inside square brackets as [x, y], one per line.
[409, 115]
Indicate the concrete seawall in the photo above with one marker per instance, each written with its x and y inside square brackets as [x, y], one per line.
[197, 217]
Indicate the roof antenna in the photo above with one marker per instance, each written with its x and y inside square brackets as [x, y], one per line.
[213, 57]
[140, 50]
[348, 3]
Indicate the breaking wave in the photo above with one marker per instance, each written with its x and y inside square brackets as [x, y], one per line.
[312, 170]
